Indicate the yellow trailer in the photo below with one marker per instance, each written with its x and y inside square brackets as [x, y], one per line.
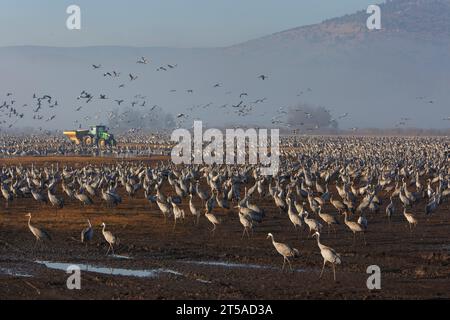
[77, 136]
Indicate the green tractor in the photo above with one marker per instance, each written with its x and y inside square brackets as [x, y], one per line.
[96, 135]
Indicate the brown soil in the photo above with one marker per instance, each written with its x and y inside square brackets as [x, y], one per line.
[414, 265]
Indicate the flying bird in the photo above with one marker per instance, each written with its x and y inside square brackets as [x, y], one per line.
[238, 105]
[142, 60]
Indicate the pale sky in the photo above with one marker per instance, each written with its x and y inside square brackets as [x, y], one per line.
[161, 23]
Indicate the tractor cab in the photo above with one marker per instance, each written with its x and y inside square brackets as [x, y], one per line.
[97, 130]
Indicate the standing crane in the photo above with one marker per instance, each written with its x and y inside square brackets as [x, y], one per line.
[390, 209]
[213, 219]
[285, 250]
[328, 255]
[329, 219]
[411, 218]
[109, 237]
[246, 222]
[57, 202]
[39, 234]
[355, 227]
[88, 233]
[195, 212]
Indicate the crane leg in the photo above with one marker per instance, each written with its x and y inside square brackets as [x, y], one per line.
[334, 272]
[323, 268]
[284, 262]
[290, 266]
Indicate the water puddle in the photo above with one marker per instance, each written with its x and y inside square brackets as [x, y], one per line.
[445, 247]
[118, 256]
[203, 281]
[109, 270]
[236, 265]
[13, 273]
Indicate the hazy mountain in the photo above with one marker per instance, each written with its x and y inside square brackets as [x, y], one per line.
[412, 19]
[377, 77]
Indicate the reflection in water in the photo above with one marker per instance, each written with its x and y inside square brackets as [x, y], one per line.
[235, 265]
[14, 273]
[109, 270]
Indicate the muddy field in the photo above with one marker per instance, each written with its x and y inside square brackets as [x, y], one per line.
[155, 262]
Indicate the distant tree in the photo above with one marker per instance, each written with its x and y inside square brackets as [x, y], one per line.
[310, 117]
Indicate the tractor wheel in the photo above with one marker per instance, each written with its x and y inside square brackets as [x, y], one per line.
[102, 143]
[87, 141]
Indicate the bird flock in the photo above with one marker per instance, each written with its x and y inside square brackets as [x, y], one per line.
[122, 111]
[327, 188]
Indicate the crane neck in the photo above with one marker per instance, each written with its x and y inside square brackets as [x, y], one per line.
[318, 241]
